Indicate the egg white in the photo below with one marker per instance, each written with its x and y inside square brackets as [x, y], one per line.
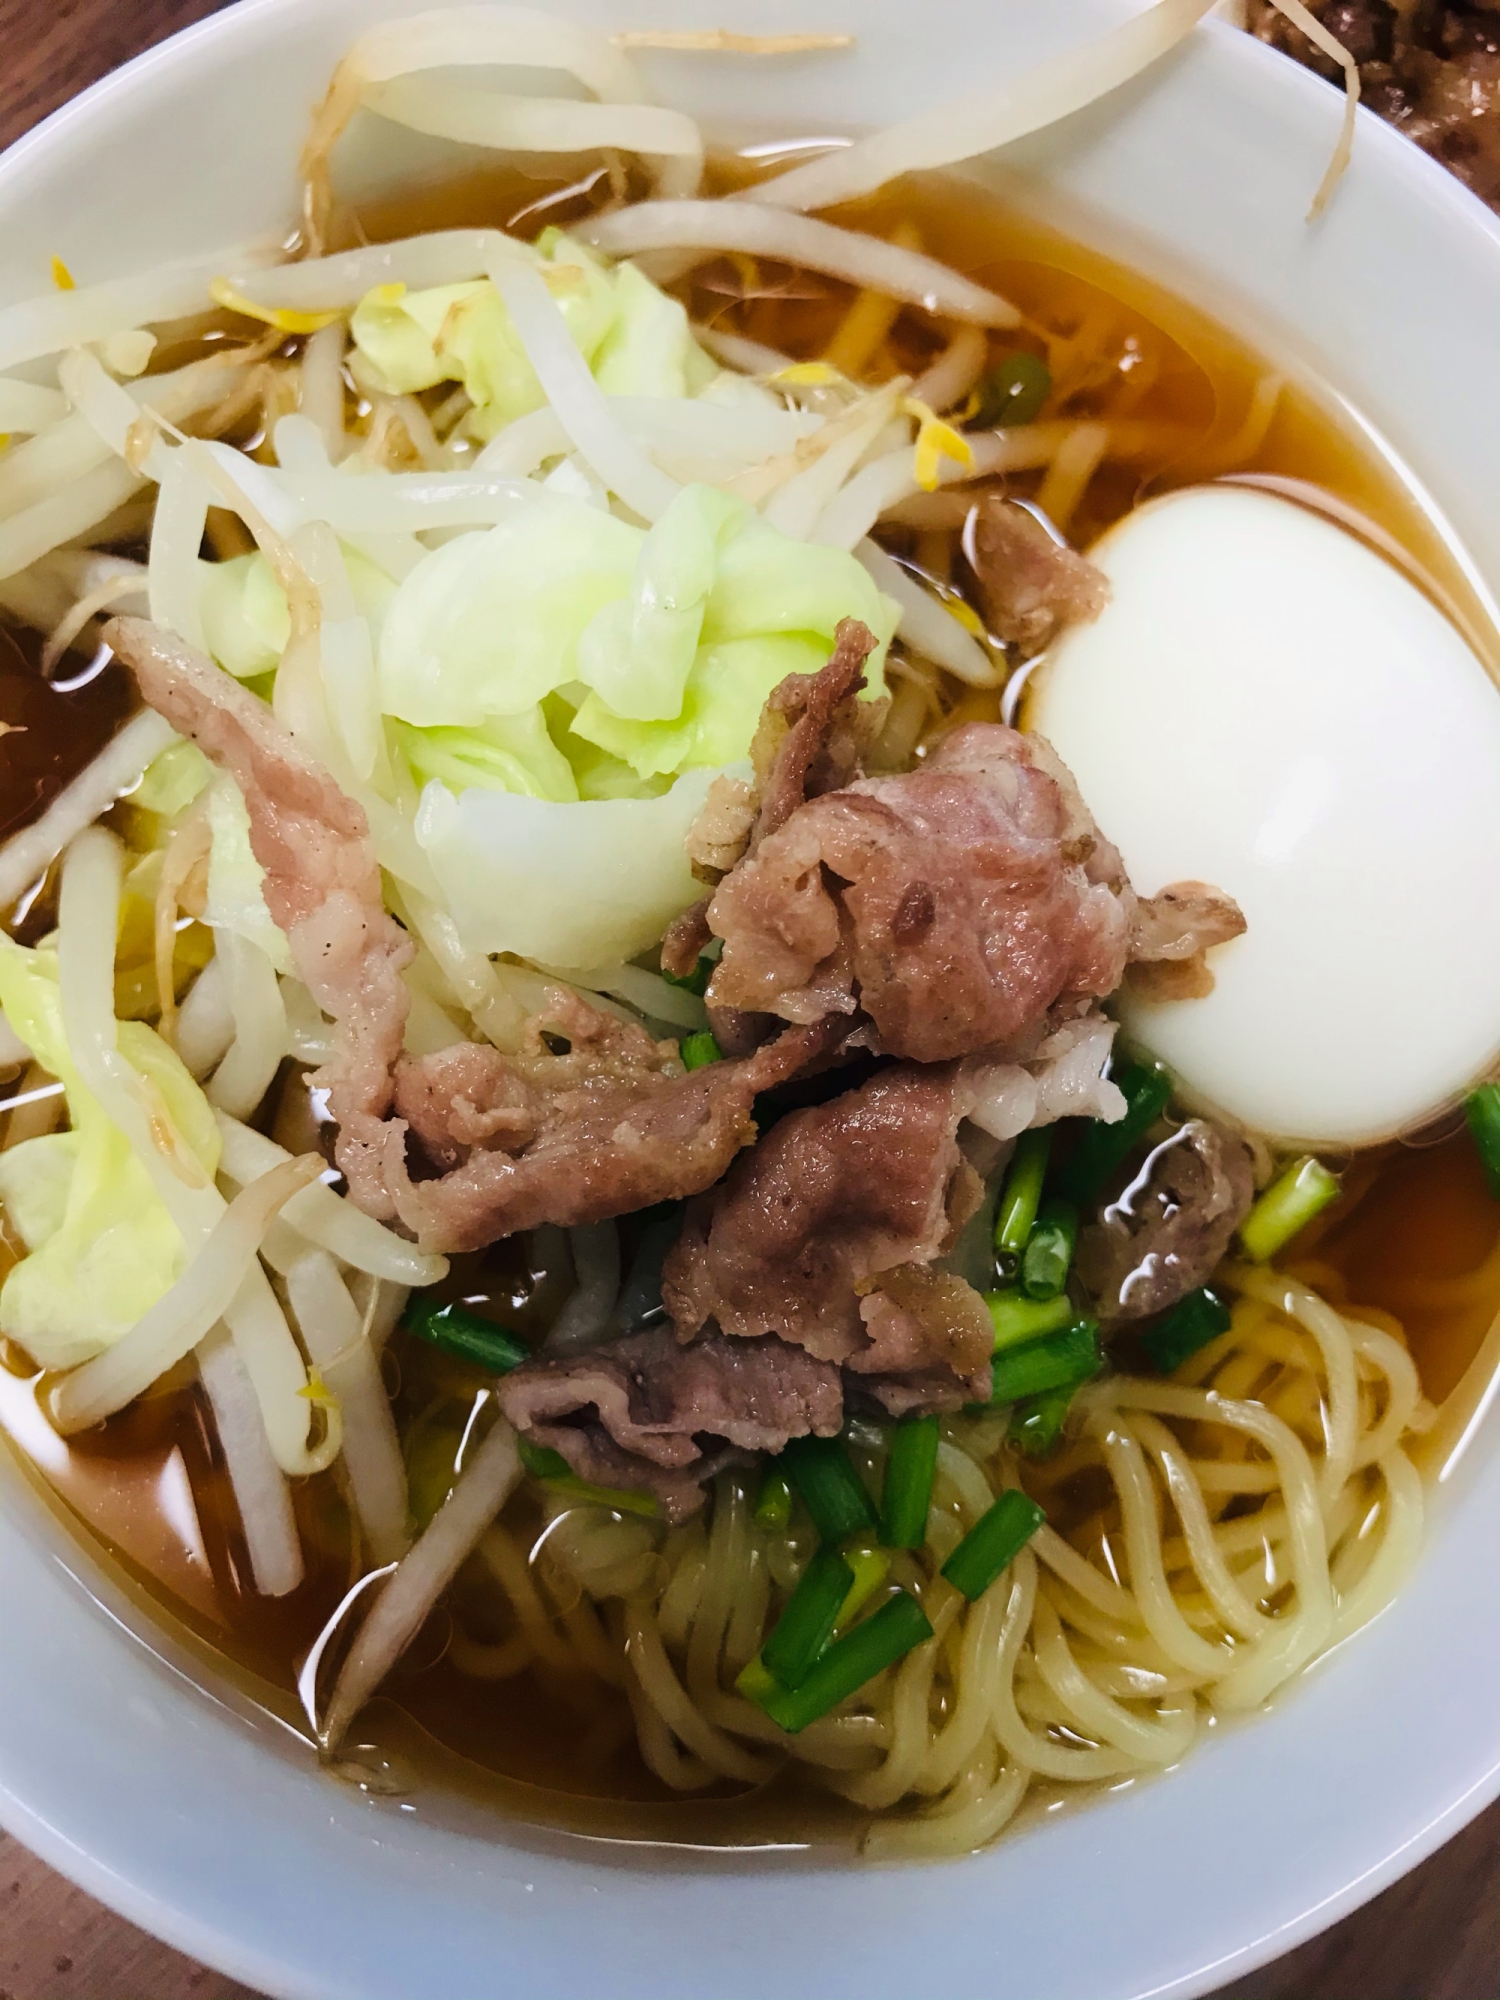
[1268, 705]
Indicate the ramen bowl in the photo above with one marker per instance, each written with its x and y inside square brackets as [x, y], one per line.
[162, 1787]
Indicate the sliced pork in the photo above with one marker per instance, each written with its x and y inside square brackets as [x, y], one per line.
[608, 1125]
[1030, 584]
[957, 905]
[1165, 1233]
[646, 1412]
[1173, 933]
[822, 1232]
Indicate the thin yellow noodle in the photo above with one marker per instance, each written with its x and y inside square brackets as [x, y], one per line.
[1161, 1740]
[1399, 1549]
[1234, 1608]
[582, 1625]
[1138, 1506]
[728, 1538]
[1023, 1746]
[1078, 1572]
[1066, 480]
[675, 1767]
[912, 1688]
[510, 1570]
[981, 1636]
[1332, 1336]
[654, 1671]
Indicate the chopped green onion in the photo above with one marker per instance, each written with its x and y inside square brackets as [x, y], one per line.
[1017, 1319]
[1483, 1109]
[831, 1490]
[886, 1636]
[1192, 1323]
[1049, 1250]
[993, 1543]
[773, 1504]
[807, 1621]
[699, 1050]
[1020, 1195]
[697, 980]
[1061, 1361]
[460, 1332]
[1015, 391]
[1101, 1148]
[1287, 1206]
[1036, 1426]
[909, 1472]
[871, 1567]
[554, 1470]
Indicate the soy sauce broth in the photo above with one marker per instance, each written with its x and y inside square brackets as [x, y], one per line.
[148, 1487]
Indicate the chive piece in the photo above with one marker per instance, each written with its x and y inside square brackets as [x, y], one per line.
[458, 1331]
[1015, 391]
[1101, 1148]
[695, 981]
[1017, 1319]
[993, 1542]
[807, 1621]
[1287, 1206]
[886, 1636]
[909, 1471]
[831, 1490]
[773, 1504]
[1049, 1250]
[1483, 1109]
[554, 1470]
[1061, 1361]
[871, 1567]
[699, 1050]
[755, 1682]
[1192, 1323]
[1036, 1426]
[1020, 1195]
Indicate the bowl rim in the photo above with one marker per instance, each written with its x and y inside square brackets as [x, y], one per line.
[61, 1577]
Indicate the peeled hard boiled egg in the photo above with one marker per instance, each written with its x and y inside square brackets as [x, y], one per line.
[1267, 705]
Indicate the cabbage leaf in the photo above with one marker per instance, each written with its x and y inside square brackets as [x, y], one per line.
[102, 1247]
[636, 340]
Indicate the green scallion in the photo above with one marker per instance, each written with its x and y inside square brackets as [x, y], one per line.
[1017, 1319]
[1482, 1107]
[829, 1487]
[773, 1504]
[886, 1636]
[1101, 1148]
[554, 1470]
[459, 1332]
[697, 980]
[698, 1050]
[1020, 1195]
[1015, 391]
[808, 1618]
[1296, 1195]
[1061, 1361]
[909, 1470]
[1036, 1425]
[871, 1567]
[1192, 1323]
[1048, 1255]
[993, 1543]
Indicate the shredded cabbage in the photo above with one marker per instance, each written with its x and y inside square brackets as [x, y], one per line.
[635, 339]
[102, 1248]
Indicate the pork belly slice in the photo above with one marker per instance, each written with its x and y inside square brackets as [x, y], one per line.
[648, 1413]
[1164, 1233]
[957, 905]
[609, 1125]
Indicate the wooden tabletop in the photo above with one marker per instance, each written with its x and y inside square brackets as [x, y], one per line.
[1435, 1936]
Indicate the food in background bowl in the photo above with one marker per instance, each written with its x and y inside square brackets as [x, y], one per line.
[567, 1069]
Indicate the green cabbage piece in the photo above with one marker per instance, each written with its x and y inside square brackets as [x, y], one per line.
[246, 623]
[102, 1247]
[173, 780]
[653, 647]
[635, 338]
[236, 899]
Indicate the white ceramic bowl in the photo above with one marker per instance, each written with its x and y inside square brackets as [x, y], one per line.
[211, 1825]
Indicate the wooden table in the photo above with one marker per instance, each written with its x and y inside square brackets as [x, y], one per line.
[1435, 1936]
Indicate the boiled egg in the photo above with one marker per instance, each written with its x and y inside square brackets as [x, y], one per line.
[1268, 705]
